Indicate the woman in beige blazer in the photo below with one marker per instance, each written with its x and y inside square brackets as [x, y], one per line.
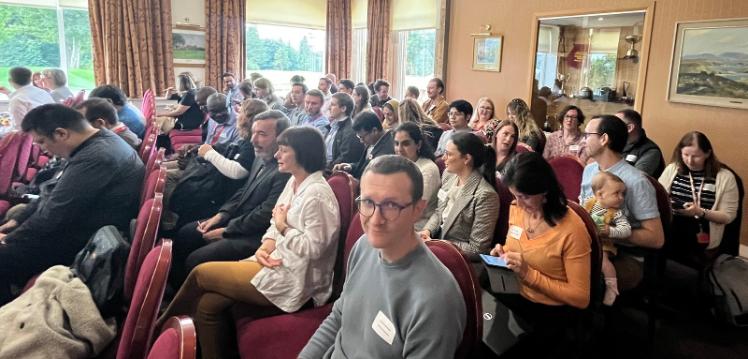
[468, 204]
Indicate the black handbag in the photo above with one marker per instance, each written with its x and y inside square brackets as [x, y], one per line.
[201, 192]
[101, 266]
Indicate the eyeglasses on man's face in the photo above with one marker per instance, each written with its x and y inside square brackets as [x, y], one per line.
[388, 209]
[586, 135]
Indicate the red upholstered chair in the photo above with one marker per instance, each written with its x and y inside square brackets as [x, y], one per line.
[153, 184]
[440, 165]
[283, 336]
[148, 106]
[137, 332]
[378, 111]
[24, 157]
[481, 135]
[596, 254]
[458, 264]
[505, 202]
[10, 146]
[155, 160]
[147, 146]
[523, 147]
[568, 170]
[178, 340]
[143, 239]
[346, 189]
[79, 97]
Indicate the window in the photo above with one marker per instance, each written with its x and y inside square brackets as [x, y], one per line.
[359, 40]
[47, 34]
[414, 59]
[286, 38]
[600, 69]
[546, 59]
[414, 26]
[279, 52]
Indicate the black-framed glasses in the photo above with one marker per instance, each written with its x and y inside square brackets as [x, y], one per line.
[389, 210]
[586, 135]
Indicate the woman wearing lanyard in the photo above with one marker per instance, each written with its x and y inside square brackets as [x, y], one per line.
[704, 197]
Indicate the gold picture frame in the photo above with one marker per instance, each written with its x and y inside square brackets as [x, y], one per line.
[710, 63]
[487, 53]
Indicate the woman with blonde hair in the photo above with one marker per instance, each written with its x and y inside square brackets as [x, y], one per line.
[530, 134]
[410, 111]
[484, 118]
[187, 114]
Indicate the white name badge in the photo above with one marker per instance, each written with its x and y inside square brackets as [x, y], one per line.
[574, 148]
[383, 327]
[515, 232]
[631, 158]
[710, 187]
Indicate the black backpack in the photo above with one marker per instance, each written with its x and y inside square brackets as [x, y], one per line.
[101, 265]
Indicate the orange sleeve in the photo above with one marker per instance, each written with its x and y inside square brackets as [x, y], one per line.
[575, 291]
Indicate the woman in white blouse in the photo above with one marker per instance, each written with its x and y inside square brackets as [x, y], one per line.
[410, 143]
[294, 263]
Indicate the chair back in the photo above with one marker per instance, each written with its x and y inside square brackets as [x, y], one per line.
[24, 157]
[523, 147]
[440, 165]
[663, 205]
[155, 183]
[568, 171]
[148, 106]
[79, 97]
[138, 329]
[731, 238]
[541, 142]
[505, 202]
[147, 147]
[596, 253]
[155, 160]
[178, 340]
[345, 188]
[143, 239]
[481, 135]
[459, 266]
[10, 146]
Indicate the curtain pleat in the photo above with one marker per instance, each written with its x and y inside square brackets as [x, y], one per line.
[339, 38]
[224, 40]
[132, 44]
[378, 22]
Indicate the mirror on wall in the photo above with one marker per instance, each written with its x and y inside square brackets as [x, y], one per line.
[590, 61]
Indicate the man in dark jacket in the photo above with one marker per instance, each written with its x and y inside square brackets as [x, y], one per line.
[369, 131]
[640, 151]
[98, 186]
[236, 230]
[341, 143]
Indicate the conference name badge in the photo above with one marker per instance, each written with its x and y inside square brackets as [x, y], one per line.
[383, 327]
[631, 158]
[574, 148]
[710, 187]
[515, 232]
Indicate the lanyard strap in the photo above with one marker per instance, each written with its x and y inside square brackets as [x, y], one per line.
[696, 195]
[217, 135]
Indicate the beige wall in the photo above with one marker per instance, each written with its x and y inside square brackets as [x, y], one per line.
[665, 121]
[194, 11]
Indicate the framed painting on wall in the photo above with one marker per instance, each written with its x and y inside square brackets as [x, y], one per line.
[188, 46]
[487, 53]
[710, 63]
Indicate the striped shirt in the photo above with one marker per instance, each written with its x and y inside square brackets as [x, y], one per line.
[681, 190]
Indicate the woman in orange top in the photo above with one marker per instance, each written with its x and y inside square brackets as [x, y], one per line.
[548, 248]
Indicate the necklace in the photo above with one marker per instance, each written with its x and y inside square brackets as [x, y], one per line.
[531, 229]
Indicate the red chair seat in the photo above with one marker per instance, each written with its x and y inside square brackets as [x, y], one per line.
[569, 171]
[259, 338]
[178, 340]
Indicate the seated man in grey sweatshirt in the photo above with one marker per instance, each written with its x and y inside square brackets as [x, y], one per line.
[399, 301]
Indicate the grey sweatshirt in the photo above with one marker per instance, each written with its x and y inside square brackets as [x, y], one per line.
[412, 308]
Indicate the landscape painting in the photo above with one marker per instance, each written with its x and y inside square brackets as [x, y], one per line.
[189, 46]
[710, 64]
